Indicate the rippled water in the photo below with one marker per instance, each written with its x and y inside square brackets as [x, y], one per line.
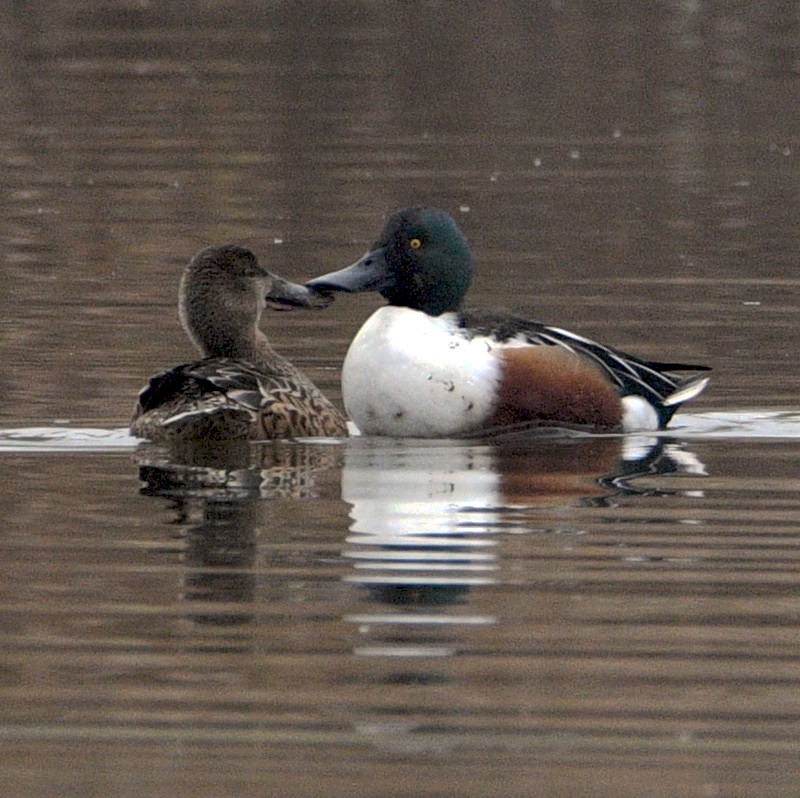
[559, 616]
[387, 613]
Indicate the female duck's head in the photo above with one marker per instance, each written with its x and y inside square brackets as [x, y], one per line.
[222, 293]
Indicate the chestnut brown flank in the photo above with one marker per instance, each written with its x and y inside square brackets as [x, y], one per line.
[548, 383]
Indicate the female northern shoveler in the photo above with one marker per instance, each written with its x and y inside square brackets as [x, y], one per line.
[242, 389]
[423, 367]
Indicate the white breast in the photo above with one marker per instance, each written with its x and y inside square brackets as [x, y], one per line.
[408, 374]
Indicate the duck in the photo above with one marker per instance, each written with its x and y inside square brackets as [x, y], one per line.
[424, 366]
[241, 388]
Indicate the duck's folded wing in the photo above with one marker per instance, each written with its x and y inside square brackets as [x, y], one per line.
[203, 387]
[632, 375]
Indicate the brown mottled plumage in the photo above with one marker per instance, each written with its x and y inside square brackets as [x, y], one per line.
[242, 388]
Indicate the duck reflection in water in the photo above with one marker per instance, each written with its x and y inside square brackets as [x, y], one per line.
[429, 520]
[222, 503]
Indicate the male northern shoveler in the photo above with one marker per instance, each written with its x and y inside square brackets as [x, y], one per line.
[423, 367]
[242, 388]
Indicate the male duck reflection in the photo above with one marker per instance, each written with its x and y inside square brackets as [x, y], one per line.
[424, 367]
[242, 388]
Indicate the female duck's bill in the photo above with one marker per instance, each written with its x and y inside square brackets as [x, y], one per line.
[424, 367]
[241, 389]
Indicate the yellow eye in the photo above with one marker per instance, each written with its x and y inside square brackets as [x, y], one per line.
[415, 243]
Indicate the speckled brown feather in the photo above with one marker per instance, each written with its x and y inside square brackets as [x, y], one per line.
[221, 398]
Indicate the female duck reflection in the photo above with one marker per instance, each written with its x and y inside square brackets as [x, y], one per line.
[426, 517]
[221, 504]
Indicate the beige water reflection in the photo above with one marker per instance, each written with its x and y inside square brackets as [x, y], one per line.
[627, 172]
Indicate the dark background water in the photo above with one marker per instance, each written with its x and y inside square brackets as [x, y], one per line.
[628, 171]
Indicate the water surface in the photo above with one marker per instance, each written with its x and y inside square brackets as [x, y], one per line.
[558, 616]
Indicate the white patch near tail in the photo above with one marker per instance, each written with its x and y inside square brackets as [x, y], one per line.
[638, 415]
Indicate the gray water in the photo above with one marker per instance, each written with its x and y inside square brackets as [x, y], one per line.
[563, 616]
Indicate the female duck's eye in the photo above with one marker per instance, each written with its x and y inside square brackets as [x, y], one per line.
[415, 243]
